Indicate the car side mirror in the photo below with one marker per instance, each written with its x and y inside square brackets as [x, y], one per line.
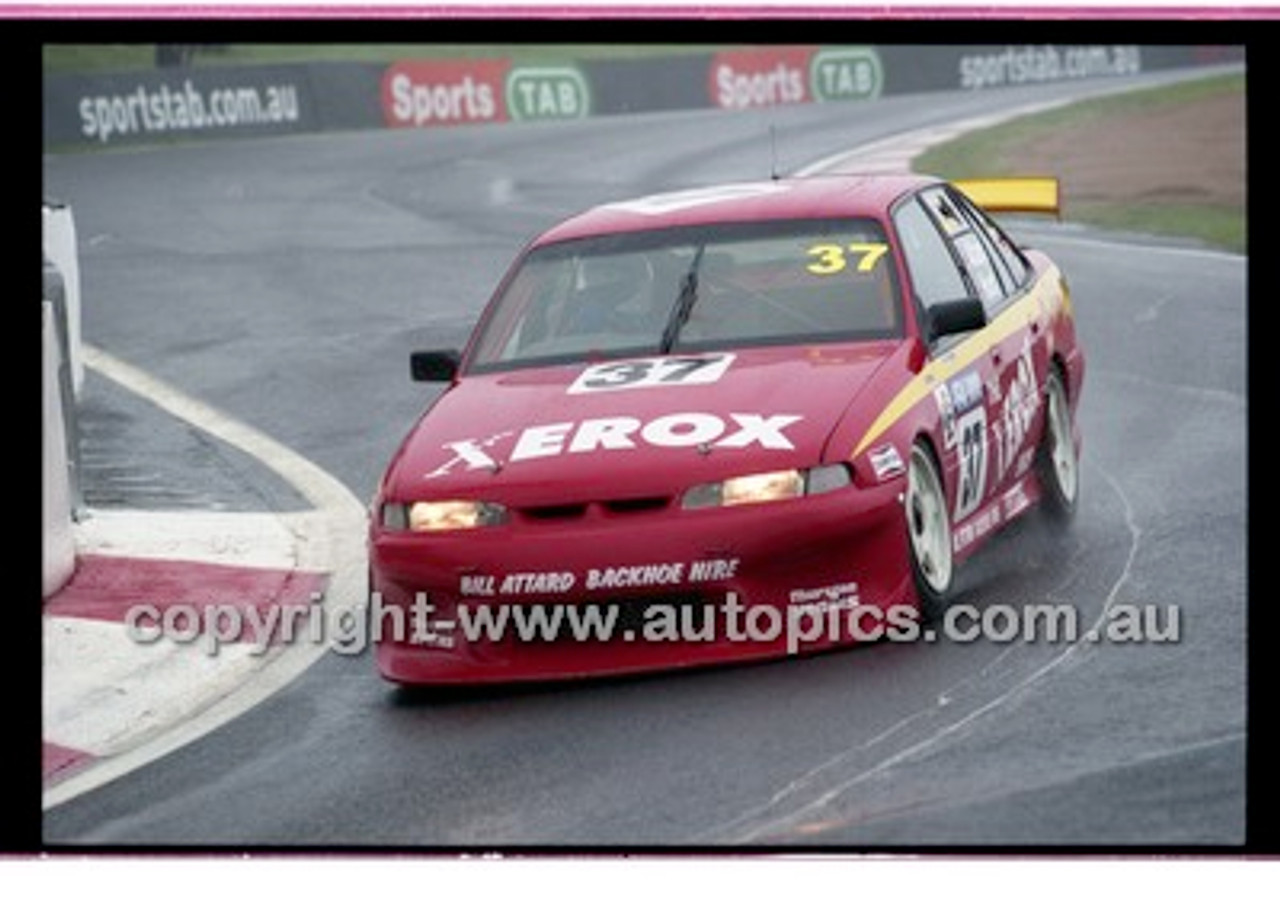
[434, 366]
[954, 317]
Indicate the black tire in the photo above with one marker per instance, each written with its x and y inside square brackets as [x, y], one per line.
[1057, 463]
[928, 532]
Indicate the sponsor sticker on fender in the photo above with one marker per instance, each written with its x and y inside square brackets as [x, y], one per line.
[886, 462]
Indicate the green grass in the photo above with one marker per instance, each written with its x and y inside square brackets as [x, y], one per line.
[99, 58]
[994, 152]
[1216, 225]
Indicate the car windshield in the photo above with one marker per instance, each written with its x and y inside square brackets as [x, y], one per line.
[693, 288]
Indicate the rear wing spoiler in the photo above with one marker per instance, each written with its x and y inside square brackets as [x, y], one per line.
[1039, 194]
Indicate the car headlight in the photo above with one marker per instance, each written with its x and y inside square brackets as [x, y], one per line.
[760, 488]
[442, 516]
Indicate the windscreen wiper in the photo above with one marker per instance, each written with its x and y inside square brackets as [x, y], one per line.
[684, 303]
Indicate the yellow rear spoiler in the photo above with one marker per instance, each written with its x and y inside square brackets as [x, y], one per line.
[1039, 194]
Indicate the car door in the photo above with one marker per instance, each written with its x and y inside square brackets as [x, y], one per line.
[1017, 353]
[927, 226]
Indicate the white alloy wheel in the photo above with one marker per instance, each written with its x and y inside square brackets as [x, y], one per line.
[929, 529]
[1060, 467]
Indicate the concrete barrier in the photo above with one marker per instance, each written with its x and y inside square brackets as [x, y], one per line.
[61, 249]
[56, 494]
[63, 378]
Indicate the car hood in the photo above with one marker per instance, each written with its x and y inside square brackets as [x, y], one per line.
[634, 429]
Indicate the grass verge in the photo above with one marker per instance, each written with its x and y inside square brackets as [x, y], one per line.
[996, 151]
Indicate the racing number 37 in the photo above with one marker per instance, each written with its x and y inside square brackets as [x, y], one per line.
[972, 432]
[830, 259]
[652, 372]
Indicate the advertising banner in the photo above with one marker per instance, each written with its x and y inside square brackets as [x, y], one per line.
[427, 93]
[201, 103]
[179, 104]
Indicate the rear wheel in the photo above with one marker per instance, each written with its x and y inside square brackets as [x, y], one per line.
[929, 532]
[1057, 463]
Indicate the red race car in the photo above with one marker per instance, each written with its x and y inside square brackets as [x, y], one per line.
[728, 423]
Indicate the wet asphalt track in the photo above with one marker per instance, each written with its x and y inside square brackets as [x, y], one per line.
[286, 281]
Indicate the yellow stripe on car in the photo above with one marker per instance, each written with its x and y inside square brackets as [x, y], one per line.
[1008, 322]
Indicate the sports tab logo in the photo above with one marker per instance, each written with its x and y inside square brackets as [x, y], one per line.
[425, 93]
[422, 93]
[741, 79]
[772, 76]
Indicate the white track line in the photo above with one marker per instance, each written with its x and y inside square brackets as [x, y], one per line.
[784, 819]
[329, 539]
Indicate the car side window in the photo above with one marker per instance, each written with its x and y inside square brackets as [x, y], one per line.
[1011, 266]
[975, 260]
[980, 268]
[1008, 252]
[935, 277]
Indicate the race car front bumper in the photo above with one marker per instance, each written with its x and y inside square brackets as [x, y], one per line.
[605, 593]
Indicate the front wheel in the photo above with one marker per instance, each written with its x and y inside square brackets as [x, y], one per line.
[1057, 463]
[929, 532]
